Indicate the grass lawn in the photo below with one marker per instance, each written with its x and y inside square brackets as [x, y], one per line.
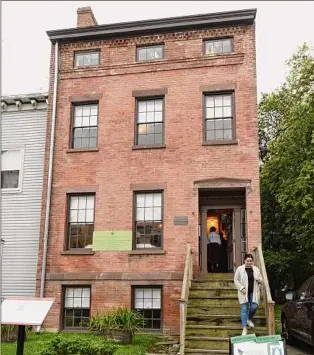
[278, 319]
[37, 342]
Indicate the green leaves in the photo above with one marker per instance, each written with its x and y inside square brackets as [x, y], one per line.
[286, 126]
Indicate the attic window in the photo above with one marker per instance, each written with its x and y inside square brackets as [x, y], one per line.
[86, 59]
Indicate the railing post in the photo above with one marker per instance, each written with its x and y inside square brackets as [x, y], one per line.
[182, 325]
[271, 318]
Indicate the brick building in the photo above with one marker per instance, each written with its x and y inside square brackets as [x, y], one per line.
[154, 132]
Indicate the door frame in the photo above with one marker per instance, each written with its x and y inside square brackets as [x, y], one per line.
[236, 234]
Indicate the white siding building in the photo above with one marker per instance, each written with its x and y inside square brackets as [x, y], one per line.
[23, 134]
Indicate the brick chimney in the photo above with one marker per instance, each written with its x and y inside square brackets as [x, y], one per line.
[85, 17]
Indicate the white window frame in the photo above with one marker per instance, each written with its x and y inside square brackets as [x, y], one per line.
[19, 189]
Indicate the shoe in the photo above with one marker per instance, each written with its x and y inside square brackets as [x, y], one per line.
[244, 331]
[250, 324]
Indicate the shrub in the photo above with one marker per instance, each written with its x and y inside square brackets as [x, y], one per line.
[78, 346]
[9, 333]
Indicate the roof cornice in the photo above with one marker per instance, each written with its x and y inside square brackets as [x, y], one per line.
[154, 26]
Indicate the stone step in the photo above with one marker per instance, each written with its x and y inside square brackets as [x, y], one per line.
[213, 292]
[197, 309]
[221, 331]
[197, 284]
[214, 301]
[218, 276]
[205, 351]
[221, 319]
[209, 343]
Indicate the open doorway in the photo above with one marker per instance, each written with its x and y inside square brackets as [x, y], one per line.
[220, 255]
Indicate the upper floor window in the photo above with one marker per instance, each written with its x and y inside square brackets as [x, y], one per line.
[85, 122]
[149, 122]
[85, 59]
[81, 220]
[11, 170]
[76, 311]
[218, 46]
[219, 121]
[148, 220]
[150, 52]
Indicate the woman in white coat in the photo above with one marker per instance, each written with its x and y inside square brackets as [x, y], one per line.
[248, 280]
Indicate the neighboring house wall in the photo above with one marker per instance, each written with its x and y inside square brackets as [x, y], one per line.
[23, 128]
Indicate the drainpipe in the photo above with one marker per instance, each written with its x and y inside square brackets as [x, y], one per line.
[52, 140]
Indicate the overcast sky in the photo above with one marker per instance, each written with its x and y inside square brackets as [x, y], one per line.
[281, 28]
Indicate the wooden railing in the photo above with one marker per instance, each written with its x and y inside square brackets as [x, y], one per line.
[186, 285]
[269, 304]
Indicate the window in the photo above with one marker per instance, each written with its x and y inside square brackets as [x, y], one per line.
[81, 221]
[147, 301]
[76, 307]
[149, 122]
[219, 117]
[11, 166]
[150, 52]
[85, 59]
[218, 46]
[148, 220]
[85, 130]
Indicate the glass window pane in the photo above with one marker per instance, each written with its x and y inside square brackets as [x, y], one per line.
[94, 110]
[85, 302]
[79, 60]
[95, 58]
[149, 198]
[140, 200]
[227, 111]
[92, 143]
[157, 199]
[73, 216]
[148, 214]
[158, 138]
[139, 293]
[69, 303]
[140, 214]
[148, 293]
[148, 303]
[227, 100]
[142, 128]
[158, 52]
[158, 116]
[77, 143]
[150, 53]
[85, 132]
[93, 121]
[151, 106]
[157, 213]
[226, 44]
[141, 106]
[82, 202]
[69, 322]
[74, 202]
[217, 46]
[85, 122]
[156, 324]
[228, 134]
[209, 47]
[78, 132]
[78, 121]
[86, 110]
[158, 128]
[69, 292]
[218, 112]
[210, 124]
[218, 100]
[141, 53]
[77, 292]
[150, 139]
[93, 132]
[81, 215]
[219, 134]
[142, 140]
[218, 124]
[78, 111]
[210, 112]
[86, 292]
[210, 101]
[89, 215]
[150, 128]
[156, 304]
[156, 293]
[85, 142]
[227, 124]
[90, 202]
[139, 303]
[158, 105]
[210, 135]
[150, 117]
[141, 117]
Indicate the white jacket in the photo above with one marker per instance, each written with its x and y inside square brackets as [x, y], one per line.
[241, 281]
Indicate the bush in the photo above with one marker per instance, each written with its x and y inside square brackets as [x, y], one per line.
[9, 333]
[78, 346]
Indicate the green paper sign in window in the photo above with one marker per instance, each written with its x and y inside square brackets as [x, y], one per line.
[112, 240]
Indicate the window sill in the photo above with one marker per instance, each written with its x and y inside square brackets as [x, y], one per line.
[10, 191]
[147, 252]
[221, 142]
[154, 146]
[81, 150]
[78, 252]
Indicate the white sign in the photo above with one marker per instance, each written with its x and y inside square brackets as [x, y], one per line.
[25, 311]
[253, 348]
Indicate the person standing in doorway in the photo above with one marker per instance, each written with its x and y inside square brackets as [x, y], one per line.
[248, 280]
[213, 251]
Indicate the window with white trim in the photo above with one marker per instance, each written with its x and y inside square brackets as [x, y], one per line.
[11, 166]
[147, 301]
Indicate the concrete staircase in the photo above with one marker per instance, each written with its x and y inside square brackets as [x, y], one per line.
[213, 314]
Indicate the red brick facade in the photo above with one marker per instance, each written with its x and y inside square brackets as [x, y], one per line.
[115, 168]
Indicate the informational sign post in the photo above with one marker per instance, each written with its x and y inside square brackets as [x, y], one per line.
[253, 345]
[24, 311]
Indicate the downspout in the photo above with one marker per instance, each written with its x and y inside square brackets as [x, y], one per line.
[52, 140]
